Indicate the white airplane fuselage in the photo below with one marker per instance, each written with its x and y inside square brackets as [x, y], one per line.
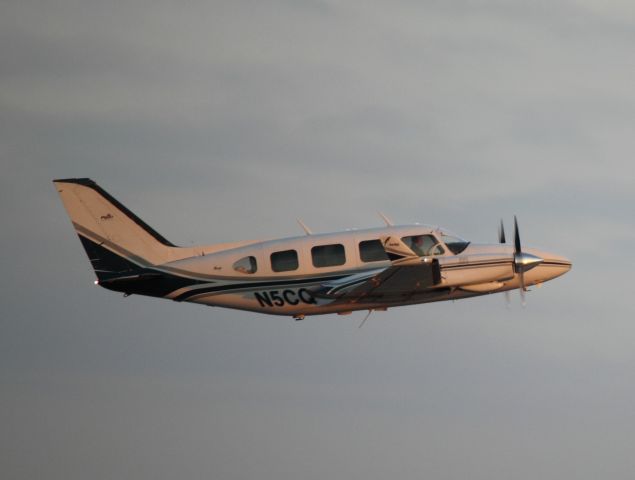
[478, 270]
[372, 269]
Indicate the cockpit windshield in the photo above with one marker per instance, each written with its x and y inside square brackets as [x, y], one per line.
[423, 245]
[454, 243]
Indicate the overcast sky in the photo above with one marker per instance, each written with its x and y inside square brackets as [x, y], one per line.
[217, 121]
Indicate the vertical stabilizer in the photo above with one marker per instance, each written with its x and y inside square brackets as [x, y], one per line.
[104, 223]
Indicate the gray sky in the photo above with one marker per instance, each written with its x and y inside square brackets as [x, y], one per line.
[219, 121]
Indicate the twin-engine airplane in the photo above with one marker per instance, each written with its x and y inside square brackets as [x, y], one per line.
[373, 269]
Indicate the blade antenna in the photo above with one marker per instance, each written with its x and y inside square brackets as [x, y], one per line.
[365, 318]
[306, 229]
[386, 220]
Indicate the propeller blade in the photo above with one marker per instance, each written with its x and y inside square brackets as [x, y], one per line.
[516, 236]
[501, 239]
[522, 289]
[501, 233]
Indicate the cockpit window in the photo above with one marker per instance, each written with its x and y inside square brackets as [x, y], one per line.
[372, 251]
[246, 265]
[455, 244]
[423, 245]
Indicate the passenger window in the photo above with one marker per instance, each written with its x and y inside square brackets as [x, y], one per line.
[328, 255]
[246, 265]
[372, 251]
[423, 245]
[284, 261]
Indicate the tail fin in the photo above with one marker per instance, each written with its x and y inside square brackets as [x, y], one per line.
[116, 240]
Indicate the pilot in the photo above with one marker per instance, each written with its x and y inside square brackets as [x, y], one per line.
[417, 245]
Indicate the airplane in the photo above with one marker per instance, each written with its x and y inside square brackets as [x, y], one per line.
[371, 269]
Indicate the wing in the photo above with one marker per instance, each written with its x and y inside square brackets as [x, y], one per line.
[403, 278]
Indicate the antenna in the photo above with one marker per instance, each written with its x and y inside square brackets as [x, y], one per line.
[387, 220]
[306, 229]
[365, 318]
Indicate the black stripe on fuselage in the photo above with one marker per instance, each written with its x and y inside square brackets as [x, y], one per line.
[252, 285]
[555, 263]
[461, 266]
[291, 282]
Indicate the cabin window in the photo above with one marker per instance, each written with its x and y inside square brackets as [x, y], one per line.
[423, 245]
[328, 255]
[284, 261]
[246, 265]
[372, 251]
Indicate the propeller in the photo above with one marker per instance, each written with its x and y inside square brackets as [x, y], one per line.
[523, 261]
[518, 262]
[501, 239]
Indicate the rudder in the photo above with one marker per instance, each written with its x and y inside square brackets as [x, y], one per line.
[103, 222]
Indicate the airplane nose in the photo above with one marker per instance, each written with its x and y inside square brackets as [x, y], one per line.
[552, 265]
[559, 261]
